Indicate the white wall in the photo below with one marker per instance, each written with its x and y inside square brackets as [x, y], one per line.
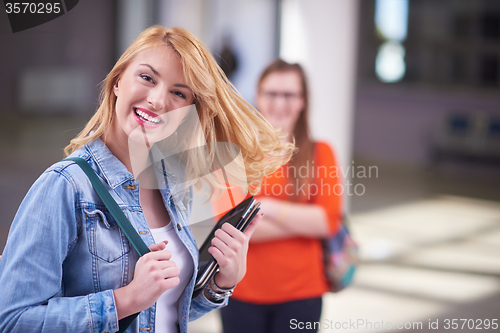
[133, 16]
[188, 14]
[250, 24]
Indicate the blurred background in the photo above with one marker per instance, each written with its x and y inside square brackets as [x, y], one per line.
[408, 89]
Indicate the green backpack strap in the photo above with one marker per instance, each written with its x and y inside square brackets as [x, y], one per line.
[120, 219]
[112, 206]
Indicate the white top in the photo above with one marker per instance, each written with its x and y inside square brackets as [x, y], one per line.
[167, 317]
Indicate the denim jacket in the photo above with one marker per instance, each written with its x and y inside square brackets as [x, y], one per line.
[65, 254]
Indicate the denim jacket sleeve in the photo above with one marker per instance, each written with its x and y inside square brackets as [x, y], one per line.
[201, 305]
[44, 231]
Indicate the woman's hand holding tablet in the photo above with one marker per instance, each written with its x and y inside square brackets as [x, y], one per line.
[224, 251]
[229, 248]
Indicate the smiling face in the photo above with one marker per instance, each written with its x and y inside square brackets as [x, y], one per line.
[151, 95]
[280, 99]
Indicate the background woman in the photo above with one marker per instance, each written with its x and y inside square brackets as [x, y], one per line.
[285, 276]
[67, 267]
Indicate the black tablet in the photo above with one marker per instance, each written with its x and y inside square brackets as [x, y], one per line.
[240, 217]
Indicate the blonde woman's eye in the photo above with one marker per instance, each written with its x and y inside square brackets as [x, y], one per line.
[146, 78]
[180, 94]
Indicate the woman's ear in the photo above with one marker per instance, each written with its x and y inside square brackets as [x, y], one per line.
[115, 88]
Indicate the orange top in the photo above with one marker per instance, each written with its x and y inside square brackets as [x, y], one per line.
[292, 269]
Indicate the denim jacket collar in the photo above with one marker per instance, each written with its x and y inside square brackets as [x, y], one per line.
[115, 173]
[113, 170]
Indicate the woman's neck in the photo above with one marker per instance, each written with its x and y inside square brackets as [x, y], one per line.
[133, 155]
[118, 145]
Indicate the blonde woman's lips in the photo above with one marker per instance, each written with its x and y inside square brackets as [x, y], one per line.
[146, 118]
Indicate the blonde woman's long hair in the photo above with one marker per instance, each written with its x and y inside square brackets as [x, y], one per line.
[224, 115]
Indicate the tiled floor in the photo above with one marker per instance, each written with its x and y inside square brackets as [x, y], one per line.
[429, 257]
[430, 238]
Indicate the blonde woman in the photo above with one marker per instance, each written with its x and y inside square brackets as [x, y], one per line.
[67, 267]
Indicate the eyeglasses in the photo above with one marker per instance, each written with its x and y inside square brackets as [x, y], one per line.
[287, 96]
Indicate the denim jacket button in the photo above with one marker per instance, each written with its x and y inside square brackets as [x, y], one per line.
[179, 227]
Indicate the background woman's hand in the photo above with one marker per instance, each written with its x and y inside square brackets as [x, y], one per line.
[271, 207]
[229, 248]
[154, 274]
